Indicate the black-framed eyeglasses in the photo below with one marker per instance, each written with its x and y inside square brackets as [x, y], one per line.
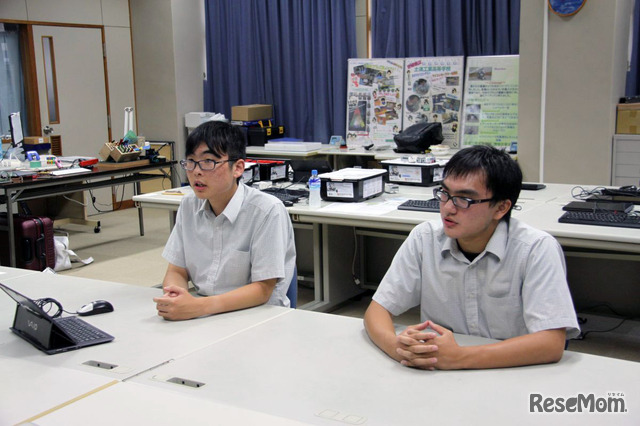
[205, 165]
[461, 202]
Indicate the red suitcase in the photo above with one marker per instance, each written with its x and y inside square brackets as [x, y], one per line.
[35, 248]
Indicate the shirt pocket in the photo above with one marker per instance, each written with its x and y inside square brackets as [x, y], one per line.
[236, 270]
[503, 315]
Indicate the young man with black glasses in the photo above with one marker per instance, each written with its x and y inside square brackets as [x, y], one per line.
[233, 242]
[476, 272]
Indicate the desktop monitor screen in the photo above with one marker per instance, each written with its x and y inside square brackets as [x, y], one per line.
[15, 123]
[302, 168]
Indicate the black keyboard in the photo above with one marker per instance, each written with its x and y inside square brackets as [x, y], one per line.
[431, 205]
[287, 195]
[601, 219]
[79, 330]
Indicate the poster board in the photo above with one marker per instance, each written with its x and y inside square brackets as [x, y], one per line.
[374, 101]
[490, 112]
[433, 93]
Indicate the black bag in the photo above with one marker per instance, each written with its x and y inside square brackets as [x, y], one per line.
[417, 138]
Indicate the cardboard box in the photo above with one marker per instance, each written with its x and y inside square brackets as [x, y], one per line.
[351, 184]
[251, 112]
[36, 140]
[403, 172]
[628, 120]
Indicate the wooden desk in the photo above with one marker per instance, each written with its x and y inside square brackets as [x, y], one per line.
[59, 185]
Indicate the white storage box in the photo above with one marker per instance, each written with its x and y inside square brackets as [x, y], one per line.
[351, 184]
[404, 172]
[293, 146]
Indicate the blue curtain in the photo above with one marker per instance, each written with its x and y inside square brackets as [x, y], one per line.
[288, 53]
[633, 75]
[11, 79]
[423, 28]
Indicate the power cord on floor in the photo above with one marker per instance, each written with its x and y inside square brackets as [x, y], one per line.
[583, 320]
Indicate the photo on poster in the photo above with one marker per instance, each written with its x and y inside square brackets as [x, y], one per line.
[433, 93]
[357, 115]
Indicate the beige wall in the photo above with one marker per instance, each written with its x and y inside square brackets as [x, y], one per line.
[114, 16]
[361, 28]
[585, 77]
[169, 62]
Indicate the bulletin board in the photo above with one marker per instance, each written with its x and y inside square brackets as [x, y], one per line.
[374, 101]
[490, 111]
[433, 93]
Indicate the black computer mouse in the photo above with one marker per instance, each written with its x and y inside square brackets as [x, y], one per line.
[94, 308]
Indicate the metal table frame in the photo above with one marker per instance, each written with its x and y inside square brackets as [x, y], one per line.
[45, 187]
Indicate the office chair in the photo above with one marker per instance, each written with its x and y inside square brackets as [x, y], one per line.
[292, 292]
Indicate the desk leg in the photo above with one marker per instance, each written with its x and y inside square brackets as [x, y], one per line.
[140, 215]
[10, 230]
[336, 260]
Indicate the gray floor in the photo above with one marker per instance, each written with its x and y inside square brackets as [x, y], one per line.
[122, 255]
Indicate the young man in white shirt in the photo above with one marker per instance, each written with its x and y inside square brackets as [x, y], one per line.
[478, 272]
[233, 242]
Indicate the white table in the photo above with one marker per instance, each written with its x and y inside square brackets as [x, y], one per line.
[30, 388]
[7, 273]
[318, 368]
[540, 208]
[153, 342]
[292, 366]
[131, 403]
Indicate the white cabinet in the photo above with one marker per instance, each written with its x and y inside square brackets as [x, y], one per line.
[625, 169]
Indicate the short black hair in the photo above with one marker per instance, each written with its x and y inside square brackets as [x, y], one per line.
[221, 138]
[503, 176]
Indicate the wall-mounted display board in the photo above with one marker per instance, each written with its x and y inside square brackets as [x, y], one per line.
[490, 112]
[374, 101]
[433, 93]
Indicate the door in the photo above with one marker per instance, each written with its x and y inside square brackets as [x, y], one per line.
[72, 94]
[71, 87]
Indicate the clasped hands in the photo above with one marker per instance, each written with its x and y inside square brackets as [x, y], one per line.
[416, 347]
[177, 304]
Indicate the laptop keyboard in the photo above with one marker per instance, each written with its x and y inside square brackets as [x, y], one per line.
[79, 330]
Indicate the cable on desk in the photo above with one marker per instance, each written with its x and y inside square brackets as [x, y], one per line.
[581, 193]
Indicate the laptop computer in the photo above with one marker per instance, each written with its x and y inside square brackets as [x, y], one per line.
[52, 335]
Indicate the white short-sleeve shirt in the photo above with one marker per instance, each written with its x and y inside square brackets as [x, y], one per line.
[516, 286]
[251, 240]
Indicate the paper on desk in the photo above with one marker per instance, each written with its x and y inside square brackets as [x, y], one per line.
[367, 209]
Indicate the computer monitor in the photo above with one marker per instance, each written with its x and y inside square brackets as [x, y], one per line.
[302, 168]
[15, 124]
